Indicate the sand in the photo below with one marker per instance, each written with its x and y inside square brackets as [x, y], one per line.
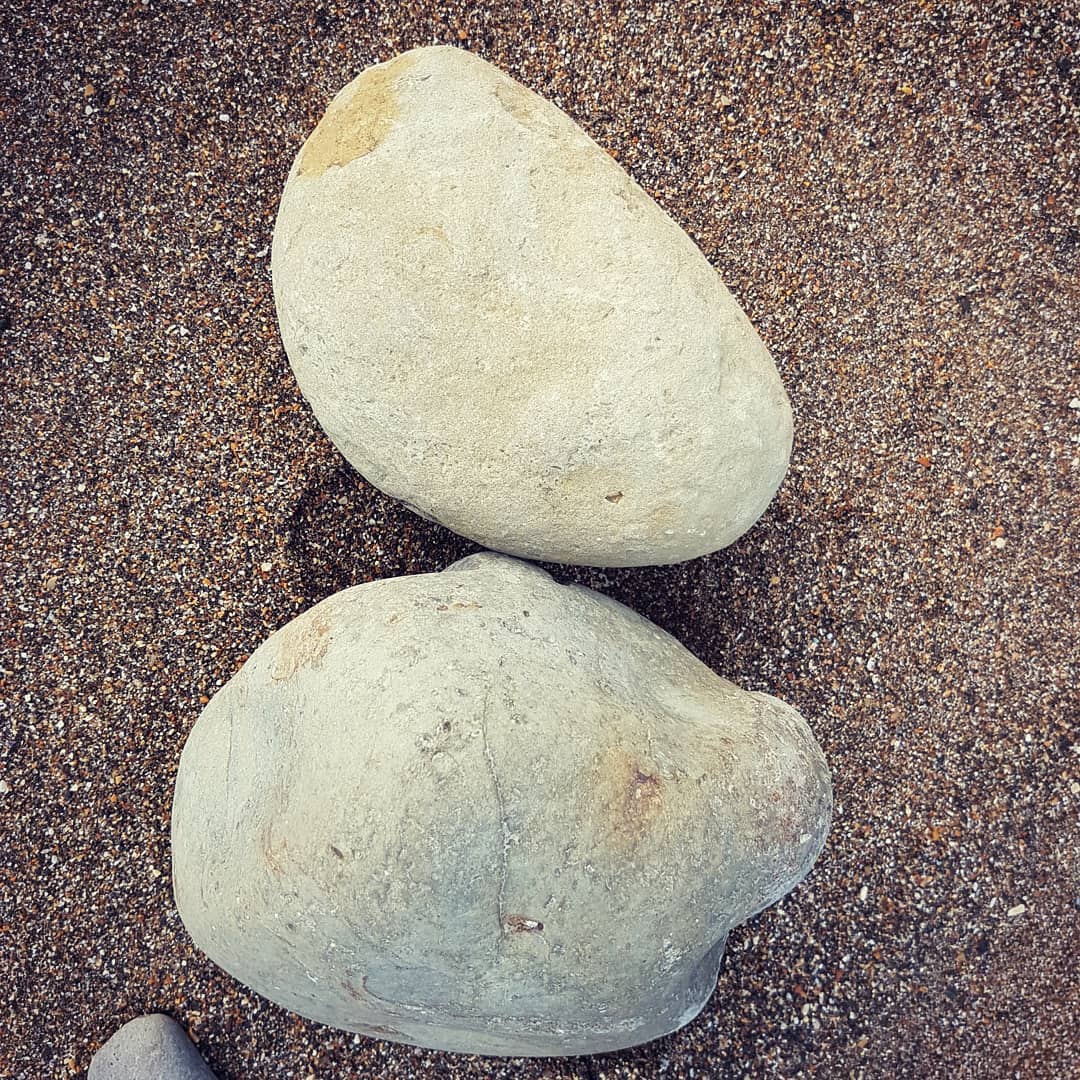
[890, 193]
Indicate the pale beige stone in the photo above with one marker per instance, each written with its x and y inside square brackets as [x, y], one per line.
[495, 324]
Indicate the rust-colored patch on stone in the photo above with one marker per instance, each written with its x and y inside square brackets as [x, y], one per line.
[301, 647]
[436, 232]
[630, 797]
[274, 851]
[779, 820]
[521, 924]
[366, 998]
[355, 125]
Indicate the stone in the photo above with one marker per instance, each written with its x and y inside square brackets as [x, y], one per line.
[151, 1047]
[496, 325]
[484, 812]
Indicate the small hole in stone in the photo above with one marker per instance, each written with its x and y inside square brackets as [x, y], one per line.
[614, 497]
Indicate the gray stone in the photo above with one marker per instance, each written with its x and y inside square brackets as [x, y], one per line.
[496, 325]
[149, 1048]
[485, 812]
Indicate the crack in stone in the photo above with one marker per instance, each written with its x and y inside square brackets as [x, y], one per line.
[501, 803]
[228, 762]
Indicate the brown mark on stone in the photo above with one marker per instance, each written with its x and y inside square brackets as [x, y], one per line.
[274, 853]
[520, 924]
[780, 818]
[356, 121]
[301, 647]
[582, 483]
[336, 851]
[368, 999]
[369, 995]
[630, 795]
[382, 1031]
[435, 232]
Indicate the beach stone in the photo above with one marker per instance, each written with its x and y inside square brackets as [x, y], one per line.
[495, 324]
[481, 811]
[151, 1047]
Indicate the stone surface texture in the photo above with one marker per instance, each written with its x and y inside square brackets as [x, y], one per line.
[482, 811]
[151, 1047]
[497, 325]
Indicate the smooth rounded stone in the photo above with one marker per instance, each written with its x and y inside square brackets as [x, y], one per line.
[485, 812]
[496, 325]
[149, 1048]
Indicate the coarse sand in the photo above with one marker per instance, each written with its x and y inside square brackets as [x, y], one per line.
[890, 190]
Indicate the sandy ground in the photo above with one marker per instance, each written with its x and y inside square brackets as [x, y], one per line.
[890, 191]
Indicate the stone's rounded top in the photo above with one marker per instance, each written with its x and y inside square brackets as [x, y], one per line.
[481, 811]
[366, 110]
[495, 324]
[153, 1047]
[496, 561]
[358, 119]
